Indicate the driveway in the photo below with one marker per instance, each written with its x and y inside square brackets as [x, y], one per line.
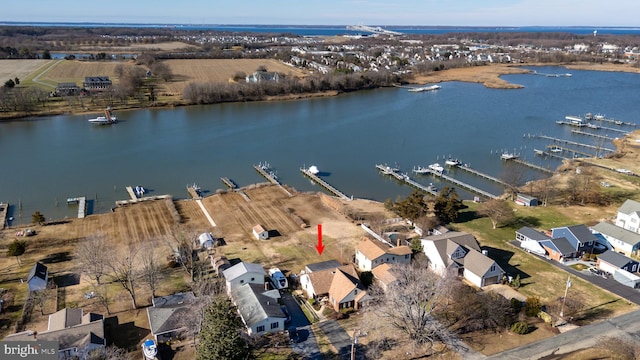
[338, 337]
[307, 346]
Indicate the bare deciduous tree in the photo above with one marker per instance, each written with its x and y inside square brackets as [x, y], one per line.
[182, 242]
[410, 304]
[91, 256]
[150, 271]
[123, 271]
[497, 210]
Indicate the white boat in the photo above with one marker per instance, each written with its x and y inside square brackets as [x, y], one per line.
[453, 162]
[425, 88]
[436, 167]
[508, 156]
[278, 278]
[556, 149]
[108, 118]
[421, 170]
[575, 120]
[140, 191]
[150, 349]
[313, 169]
[593, 126]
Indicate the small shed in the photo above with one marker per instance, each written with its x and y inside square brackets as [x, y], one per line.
[527, 200]
[38, 277]
[626, 278]
[206, 241]
[260, 233]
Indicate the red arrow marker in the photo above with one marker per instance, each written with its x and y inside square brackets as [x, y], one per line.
[320, 247]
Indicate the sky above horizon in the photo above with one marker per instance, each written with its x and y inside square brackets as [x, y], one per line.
[331, 12]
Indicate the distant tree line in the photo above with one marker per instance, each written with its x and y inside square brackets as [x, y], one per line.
[210, 93]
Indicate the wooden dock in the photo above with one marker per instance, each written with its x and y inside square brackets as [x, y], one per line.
[592, 134]
[193, 192]
[584, 154]
[120, 203]
[482, 175]
[4, 210]
[230, 184]
[262, 170]
[386, 170]
[615, 130]
[324, 184]
[575, 143]
[461, 184]
[533, 166]
[132, 194]
[609, 120]
[82, 207]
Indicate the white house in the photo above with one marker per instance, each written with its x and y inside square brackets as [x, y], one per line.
[244, 273]
[372, 253]
[38, 277]
[260, 233]
[259, 308]
[622, 240]
[460, 254]
[629, 216]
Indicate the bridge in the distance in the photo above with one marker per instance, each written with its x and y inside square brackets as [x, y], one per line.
[372, 29]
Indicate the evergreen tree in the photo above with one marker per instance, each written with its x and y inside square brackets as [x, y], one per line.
[447, 204]
[220, 335]
[17, 248]
[37, 218]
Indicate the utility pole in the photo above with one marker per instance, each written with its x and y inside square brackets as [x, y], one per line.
[564, 299]
[354, 342]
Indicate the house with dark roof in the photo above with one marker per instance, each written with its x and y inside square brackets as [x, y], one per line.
[559, 249]
[97, 83]
[628, 216]
[166, 314]
[622, 240]
[77, 334]
[38, 277]
[611, 261]
[372, 253]
[459, 253]
[244, 273]
[324, 265]
[579, 236]
[259, 308]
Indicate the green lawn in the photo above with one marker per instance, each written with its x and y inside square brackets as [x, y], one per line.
[538, 277]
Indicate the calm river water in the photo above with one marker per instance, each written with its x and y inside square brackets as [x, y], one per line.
[47, 160]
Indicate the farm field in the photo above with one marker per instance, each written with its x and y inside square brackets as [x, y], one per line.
[10, 69]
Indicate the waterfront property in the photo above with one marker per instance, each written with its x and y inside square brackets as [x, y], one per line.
[259, 308]
[243, 273]
[372, 253]
[166, 314]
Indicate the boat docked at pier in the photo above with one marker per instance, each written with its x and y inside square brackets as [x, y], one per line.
[150, 349]
[453, 162]
[425, 88]
[436, 168]
[509, 156]
[107, 119]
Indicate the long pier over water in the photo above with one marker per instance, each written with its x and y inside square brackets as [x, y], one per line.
[324, 184]
[457, 182]
[482, 175]
[262, 170]
[387, 170]
[563, 141]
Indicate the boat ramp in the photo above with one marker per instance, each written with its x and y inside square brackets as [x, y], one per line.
[457, 182]
[387, 170]
[324, 184]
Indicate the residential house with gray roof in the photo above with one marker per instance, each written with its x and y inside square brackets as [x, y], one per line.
[628, 216]
[244, 273]
[166, 314]
[621, 239]
[611, 261]
[258, 308]
[579, 236]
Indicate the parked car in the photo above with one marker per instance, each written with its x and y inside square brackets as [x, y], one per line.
[596, 271]
[293, 334]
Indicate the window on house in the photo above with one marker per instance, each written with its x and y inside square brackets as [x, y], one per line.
[253, 279]
[493, 268]
[241, 281]
[393, 258]
[355, 292]
[275, 325]
[406, 256]
[260, 328]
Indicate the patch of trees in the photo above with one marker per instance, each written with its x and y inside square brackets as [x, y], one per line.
[21, 99]
[447, 205]
[210, 93]
[220, 337]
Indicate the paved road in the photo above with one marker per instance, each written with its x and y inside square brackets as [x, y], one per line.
[307, 345]
[625, 326]
[609, 284]
[338, 337]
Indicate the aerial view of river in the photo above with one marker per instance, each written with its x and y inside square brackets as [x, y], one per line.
[47, 160]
